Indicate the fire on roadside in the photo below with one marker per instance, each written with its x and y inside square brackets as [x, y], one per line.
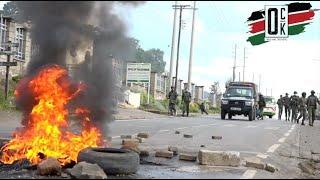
[47, 129]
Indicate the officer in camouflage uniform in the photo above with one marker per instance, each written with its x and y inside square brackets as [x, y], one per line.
[186, 98]
[172, 96]
[294, 100]
[286, 104]
[302, 108]
[312, 107]
[280, 107]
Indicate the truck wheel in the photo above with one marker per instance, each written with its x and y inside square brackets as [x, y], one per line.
[251, 115]
[223, 115]
[229, 116]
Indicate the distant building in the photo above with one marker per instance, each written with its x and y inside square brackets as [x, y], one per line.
[16, 33]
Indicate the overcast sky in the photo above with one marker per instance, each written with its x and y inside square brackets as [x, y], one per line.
[284, 66]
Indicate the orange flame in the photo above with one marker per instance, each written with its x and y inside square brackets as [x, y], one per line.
[47, 129]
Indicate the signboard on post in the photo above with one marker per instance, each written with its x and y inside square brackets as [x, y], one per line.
[139, 73]
[8, 63]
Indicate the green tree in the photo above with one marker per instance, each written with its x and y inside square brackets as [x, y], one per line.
[10, 9]
[152, 56]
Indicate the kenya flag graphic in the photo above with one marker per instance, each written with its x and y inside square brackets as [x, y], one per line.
[300, 15]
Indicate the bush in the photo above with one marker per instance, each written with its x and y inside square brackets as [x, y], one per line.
[194, 108]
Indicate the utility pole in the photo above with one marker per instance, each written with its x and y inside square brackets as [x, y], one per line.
[234, 64]
[8, 52]
[259, 83]
[191, 46]
[172, 45]
[244, 62]
[181, 7]
[253, 77]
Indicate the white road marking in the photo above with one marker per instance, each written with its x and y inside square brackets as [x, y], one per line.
[281, 140]
[164, 130]
[286, 134]
[263, 156]
[200, 126]
[273, 148]
[272, 128]
[212, 124]
[229, 125]
[115, 137]
[249, 174]
[182, 128]
[251, 126]
[290, 131]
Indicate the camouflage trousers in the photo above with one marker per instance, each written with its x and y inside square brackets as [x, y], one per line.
[312, 115]
[294, 113]
[303, 114]
[287, 112]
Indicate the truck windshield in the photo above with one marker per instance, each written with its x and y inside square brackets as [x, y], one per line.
[239, 92]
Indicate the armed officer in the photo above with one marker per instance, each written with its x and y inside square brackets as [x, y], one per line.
[312, 107]
[294, 106]
[302, 107]
[280, 106]
[172, 96]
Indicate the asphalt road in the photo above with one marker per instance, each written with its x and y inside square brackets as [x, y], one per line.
[266, 139]
[260, 138]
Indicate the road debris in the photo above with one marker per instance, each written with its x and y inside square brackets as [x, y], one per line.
[143, 135]
[219, 158]
[50, 166]
[173, 149]
[187, 157]
[187, 136]
[84, 170]
[270, 168]
[164, 153]
[126, 136]
[255, 162]
[216, 137]
[307, 167]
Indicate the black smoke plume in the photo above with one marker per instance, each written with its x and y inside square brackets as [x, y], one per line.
[61, 27]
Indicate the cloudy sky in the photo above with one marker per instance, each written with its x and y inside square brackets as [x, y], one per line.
[284, 66]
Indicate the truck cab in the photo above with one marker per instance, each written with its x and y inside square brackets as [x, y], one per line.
[240, 98]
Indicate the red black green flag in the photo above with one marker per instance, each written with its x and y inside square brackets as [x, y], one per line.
[300, 15]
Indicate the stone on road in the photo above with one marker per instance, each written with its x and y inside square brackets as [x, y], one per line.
[270, 168]
[164, 153]
[84, 170]
[187, 157]
[255, 162]
[216, 137]
[307, 167]
[173, 149]
[143, 135]
[126, 136]
[187, 136]
[219, 158]
[49, 166]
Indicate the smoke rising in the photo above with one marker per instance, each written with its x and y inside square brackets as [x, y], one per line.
[61, 27]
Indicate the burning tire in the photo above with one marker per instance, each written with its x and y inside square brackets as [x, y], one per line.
[111, 160]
